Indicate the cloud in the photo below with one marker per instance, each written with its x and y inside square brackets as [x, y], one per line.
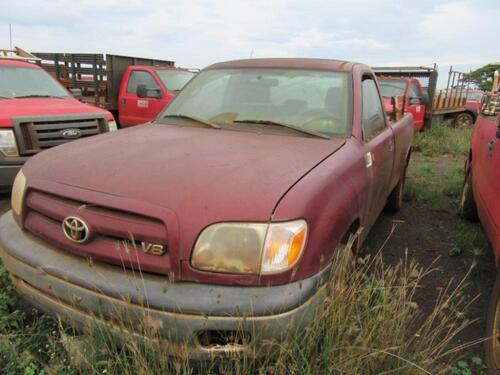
[452, 22]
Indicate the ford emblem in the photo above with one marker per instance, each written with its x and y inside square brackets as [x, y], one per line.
[71, 133]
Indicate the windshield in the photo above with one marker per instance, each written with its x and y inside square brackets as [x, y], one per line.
[391, 87]
[174, 80]
[477, 96]
[28, 82]
[313, 101]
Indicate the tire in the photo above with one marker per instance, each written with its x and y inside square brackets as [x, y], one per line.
[492, 345]
[395, 200]
[464, 120]
[467, 206]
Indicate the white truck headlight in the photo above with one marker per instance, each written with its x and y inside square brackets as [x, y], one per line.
[112, 127]
[250, 248]
[17, 196]
[8, 145]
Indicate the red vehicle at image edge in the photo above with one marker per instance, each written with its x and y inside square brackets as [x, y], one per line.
[231, 203]
[481, 199]
[37, 113]
[134, 89]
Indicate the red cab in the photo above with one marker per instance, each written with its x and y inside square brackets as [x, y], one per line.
[146, 90]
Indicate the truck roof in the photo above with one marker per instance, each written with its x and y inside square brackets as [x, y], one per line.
[18, 63]
[287, 63]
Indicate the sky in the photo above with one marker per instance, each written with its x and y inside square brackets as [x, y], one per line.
[196, 33]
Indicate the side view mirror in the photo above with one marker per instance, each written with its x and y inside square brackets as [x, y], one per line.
[143, 92]
[77, 93]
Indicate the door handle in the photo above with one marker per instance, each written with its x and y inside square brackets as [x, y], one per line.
[491, 146]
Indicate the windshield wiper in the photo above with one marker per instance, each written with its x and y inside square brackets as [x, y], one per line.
[5, 97]
[38, 96]
[187, 117]
[296, 128]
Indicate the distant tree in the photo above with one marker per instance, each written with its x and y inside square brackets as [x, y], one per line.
[483, 77]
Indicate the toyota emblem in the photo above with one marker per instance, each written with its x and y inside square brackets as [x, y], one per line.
[75, 229]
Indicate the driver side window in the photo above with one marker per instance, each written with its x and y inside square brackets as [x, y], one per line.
[373, 112]
[414, 91]
[141, 77]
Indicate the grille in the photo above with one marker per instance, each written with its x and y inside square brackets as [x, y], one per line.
[37, 134]
[115, 236]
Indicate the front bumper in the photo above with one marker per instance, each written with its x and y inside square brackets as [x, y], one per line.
[85, 293]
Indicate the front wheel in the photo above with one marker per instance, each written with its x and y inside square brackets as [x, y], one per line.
[467, 207]
[395, 201]
[464, 120]
[493, 331]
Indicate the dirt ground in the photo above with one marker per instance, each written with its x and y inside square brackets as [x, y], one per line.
[433, 238]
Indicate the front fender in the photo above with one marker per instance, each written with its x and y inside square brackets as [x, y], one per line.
[329, 198]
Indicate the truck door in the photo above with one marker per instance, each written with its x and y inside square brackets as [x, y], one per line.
[379, 150]
[486, 174]
[134, 110]
[416, 105]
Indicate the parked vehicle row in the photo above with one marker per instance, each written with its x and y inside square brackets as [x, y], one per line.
[134, 89]
[37, 113]
[253, 176]
[231, 203]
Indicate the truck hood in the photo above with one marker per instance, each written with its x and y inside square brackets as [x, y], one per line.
[42, 107]
[202, 175]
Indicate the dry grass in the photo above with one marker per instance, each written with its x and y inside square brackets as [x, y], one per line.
[368, 324]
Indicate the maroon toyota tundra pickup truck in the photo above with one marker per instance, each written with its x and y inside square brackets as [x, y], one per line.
[228, 207]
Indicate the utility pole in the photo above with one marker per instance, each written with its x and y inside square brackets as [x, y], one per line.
[10, 36]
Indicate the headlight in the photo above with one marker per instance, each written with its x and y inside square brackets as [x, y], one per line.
[250, 248]
[283, 247]
[8, 146]
[17, 196]
[112, 126]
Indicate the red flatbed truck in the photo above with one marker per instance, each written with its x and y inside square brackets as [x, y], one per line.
[417, 87]
[134, 89]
